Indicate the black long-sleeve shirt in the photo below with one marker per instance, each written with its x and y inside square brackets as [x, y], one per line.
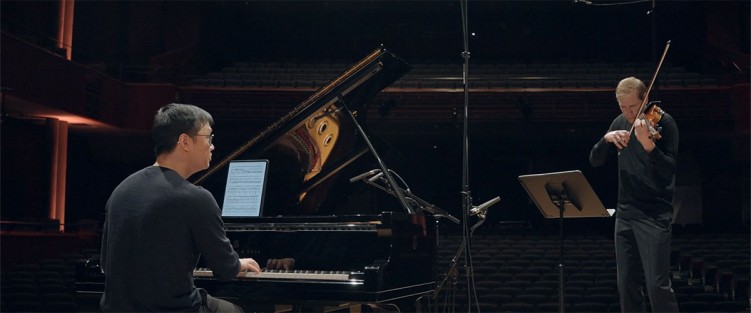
[157, 225]
[646, 181]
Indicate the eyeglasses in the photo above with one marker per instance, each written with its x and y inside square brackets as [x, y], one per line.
[211, 137]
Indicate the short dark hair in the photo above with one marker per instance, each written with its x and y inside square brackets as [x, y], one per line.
[174, 119]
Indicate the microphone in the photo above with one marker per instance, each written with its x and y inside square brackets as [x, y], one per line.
[482, 209]
[376, 177]
[363, 175]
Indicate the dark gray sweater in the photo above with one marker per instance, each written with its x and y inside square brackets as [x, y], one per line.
[646, 181]
[157, 225]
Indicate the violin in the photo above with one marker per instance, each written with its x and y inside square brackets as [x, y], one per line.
[654, 114]
[653, 117]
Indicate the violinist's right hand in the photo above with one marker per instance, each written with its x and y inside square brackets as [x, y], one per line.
[618, 137]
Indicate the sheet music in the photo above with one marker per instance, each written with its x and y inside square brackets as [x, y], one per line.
[243, 195]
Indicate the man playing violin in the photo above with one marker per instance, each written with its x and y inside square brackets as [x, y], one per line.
[646, 183]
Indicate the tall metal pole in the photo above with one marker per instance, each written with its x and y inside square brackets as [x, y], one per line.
[466, 193]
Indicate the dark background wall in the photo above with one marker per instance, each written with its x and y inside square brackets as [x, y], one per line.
[191, 38]
[131, 32]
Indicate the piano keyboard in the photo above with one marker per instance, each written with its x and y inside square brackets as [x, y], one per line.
[284, 274]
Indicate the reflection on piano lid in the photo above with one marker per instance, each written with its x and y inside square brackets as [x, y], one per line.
[315, 140]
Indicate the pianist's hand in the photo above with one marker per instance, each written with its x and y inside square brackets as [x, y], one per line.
[280, 264]
[249, 265]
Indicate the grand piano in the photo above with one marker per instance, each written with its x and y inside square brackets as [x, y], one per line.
[344, 256]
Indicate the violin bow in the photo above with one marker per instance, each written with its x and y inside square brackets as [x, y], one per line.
[651, 83]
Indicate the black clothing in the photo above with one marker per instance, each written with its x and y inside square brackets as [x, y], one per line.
[643, 246]
[646, 183]
[157, 225]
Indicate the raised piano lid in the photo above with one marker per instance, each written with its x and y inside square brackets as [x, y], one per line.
[310, 144]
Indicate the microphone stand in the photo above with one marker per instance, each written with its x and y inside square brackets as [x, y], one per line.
[410, 197]
[438, 212]
[372, 149]
[466, 246]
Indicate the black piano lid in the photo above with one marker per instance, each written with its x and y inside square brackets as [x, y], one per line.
[312, 142]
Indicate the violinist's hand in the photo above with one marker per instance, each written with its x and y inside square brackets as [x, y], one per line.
[280, 264]
[249, 265]
[641, 131]
[618, 137]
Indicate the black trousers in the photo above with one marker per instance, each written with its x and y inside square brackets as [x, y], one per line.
[211, 304]
[642, 246]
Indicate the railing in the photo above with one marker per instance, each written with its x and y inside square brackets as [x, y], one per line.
[449, 76]
[89, 227]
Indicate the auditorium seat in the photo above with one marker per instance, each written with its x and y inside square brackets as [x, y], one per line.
[708, 297]
[54, 287]
[500, 277]
[593, 269]
[608, 275]
[490, 284]
[681, 296]
[14, 296]
[605, 299]
[532, 299]
[552, 284]
[689, 290]
[610, 263]
[493, 262]
[88, 302]
[527, 276]
[569, 298]
[594, 290]
[730, 306]
[591, 263]
[483, 270]
[550, 277]
[62, 306]
[595, 284]
[485, 307]
[577, 283]
[589, 307]
[22, 288]
[518, 262]
[693, 306]
[552, 307]
[497, 298]
[517, 307]
[522, 284]
[544, 263]
[20, 306]
[537, 290]
[509, 290]
[511, 269]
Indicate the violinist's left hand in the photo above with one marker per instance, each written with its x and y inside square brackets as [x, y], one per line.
[641, 131]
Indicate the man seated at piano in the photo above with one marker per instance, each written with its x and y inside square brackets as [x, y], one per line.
[158, 224]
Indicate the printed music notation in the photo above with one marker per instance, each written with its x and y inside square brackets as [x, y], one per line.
[243, 195]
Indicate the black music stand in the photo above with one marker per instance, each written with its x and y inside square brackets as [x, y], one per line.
[563, 195]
